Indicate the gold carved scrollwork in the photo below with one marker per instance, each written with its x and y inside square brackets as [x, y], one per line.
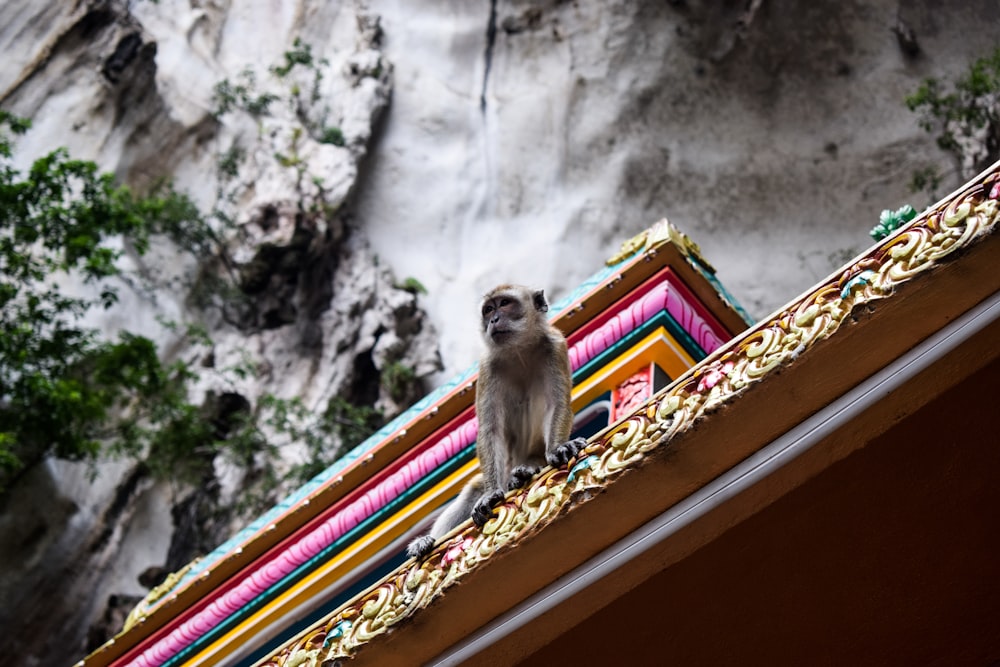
[927, 240]
[544, 498]
[155, 594]
[660, 233]
[629, 248]
[621, 449]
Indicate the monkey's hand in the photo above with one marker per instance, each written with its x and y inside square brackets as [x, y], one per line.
[482, 511]
[561, 455]
[520, 476]
[421, 546]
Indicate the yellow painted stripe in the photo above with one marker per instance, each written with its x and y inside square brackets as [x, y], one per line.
[327, 575]
[658, 347]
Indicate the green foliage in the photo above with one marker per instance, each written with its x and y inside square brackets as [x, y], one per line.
[64, 390]
[412, 285]
[331, 135]
[397, 378]
[927, 179]
[890, 221]
[300, 54]
[967, 103]
[960, 111]
[68, 391]
[16, 126]
[341, 427]
[245, 96]
[230, 161]
[241, 95]
[351, 424]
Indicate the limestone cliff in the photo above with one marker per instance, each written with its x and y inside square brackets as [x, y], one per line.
[461, 144]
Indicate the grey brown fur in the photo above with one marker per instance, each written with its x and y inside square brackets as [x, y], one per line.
[522, 403]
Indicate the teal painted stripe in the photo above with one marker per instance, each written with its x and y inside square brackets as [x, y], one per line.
[724, 293]
[323, 611]
[360, 451]
[661, 319]
[324, 555]
[343, 543]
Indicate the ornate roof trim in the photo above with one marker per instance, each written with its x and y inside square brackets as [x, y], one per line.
[935, 237]
[163, 624]
[663, 295]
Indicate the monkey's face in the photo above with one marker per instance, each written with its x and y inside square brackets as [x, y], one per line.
[508, 311]
[503, 318]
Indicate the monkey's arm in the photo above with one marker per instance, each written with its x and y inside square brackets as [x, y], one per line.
[558, 448]
[491, 449]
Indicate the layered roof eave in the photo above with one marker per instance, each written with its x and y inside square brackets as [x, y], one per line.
[203, 578]
[907, 385]
[721, 412]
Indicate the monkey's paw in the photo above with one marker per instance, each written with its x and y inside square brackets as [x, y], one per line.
[564, 452]
[421, 546]
[482, 511]
[520, 476]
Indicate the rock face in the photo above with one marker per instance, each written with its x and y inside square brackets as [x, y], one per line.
[346, 146]
[539, 134]
[269, 141]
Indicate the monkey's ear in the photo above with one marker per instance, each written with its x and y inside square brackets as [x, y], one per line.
[541, 305]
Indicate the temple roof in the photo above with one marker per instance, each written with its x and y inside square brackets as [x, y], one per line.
[772, 395]
[718, 428]
[656, 297]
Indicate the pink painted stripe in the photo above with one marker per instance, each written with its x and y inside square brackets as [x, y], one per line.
[658, 297]
[662, 296]
[278, 567]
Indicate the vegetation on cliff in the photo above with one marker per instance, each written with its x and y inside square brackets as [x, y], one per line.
[67, 389]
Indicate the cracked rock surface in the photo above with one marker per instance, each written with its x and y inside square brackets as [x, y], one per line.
[307, 307]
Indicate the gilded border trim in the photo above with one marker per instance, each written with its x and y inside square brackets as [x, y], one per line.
[936, 235]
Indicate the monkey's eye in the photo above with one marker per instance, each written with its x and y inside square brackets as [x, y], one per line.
[487, 310]
[504, 302]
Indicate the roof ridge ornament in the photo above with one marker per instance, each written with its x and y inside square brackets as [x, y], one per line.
[956, 223]
[656, 235]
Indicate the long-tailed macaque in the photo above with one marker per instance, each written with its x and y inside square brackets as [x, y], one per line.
[522, 403]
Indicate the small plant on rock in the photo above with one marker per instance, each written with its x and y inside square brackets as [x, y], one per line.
[964, 116]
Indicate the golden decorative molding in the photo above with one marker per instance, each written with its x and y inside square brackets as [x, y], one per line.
[138, 614]
[933, 237]
[659, 233]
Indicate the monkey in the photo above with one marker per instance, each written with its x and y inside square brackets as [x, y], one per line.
[522, 404]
